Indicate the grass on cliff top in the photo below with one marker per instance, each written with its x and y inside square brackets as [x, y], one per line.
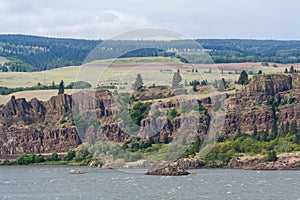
[139, 60]
[43, 95]
[123, 73]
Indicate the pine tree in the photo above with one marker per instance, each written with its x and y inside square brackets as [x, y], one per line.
[53, 85]
[287, 128]
[254, 134]
[286, 71]
[61, 87]
[243, 79]
[239, 132]
[194, 88]
[197, 144]
[294, 128]
[292, 69]
[282, 130]
[166, 138]
[274, 131]
[176, 79]
[138, 84]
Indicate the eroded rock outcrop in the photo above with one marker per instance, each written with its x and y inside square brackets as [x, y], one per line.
[37, 127]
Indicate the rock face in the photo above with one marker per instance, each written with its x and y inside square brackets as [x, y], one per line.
[270, 84]
[45, 127]
[37, 127]
[250, 106]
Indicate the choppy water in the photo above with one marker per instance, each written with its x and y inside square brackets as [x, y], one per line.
[55, 182]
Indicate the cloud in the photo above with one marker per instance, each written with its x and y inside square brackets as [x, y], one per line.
[195, 18]
[70, 21]
[103, 25]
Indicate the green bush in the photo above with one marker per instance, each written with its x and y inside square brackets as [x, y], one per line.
[53, 157]
[27, 159]
[172, 114]
[139, 111]
[69, 156]
[270, 157]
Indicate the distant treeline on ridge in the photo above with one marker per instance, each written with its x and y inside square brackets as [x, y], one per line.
[34, 53]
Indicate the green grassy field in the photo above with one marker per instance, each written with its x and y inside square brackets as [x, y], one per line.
[122, 73]
[43, 95]
[139, 60]
[28, 79]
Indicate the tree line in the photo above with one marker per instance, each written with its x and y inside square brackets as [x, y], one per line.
[33, 53]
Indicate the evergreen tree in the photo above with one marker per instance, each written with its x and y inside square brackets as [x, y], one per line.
[194, 88]
[166, 138]
[239, 132]
[282, 130]
[259, 72]
[61, 87]
[267, 130]
[197, 144]
[286, 71]
[243, 79]
[287, 128]
[138, 84]
[294, 128]
[292, 69]
[254, 134]
[176, 79]
[53, 85]
[274, 131]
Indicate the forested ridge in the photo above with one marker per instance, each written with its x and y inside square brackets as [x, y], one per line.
[34, 53]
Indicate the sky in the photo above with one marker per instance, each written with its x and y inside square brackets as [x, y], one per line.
[99, 19]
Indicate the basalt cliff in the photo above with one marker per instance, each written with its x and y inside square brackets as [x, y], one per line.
[65, 121]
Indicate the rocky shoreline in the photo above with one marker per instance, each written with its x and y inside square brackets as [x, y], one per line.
[285, 161]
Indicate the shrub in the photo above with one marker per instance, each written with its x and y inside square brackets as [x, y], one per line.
[27, 159]
[172, 114]
[270, 157]
[69, 156]
[139, 112]
[53, 157]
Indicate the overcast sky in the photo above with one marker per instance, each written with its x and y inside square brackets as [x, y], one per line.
[99, 19]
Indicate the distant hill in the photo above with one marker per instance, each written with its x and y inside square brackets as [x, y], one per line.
[34, 53]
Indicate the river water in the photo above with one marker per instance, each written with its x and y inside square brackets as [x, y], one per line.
[55, 182]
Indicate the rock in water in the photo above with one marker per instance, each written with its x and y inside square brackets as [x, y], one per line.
[168, 171]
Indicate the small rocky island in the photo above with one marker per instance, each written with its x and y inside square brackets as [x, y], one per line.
[168, 171]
